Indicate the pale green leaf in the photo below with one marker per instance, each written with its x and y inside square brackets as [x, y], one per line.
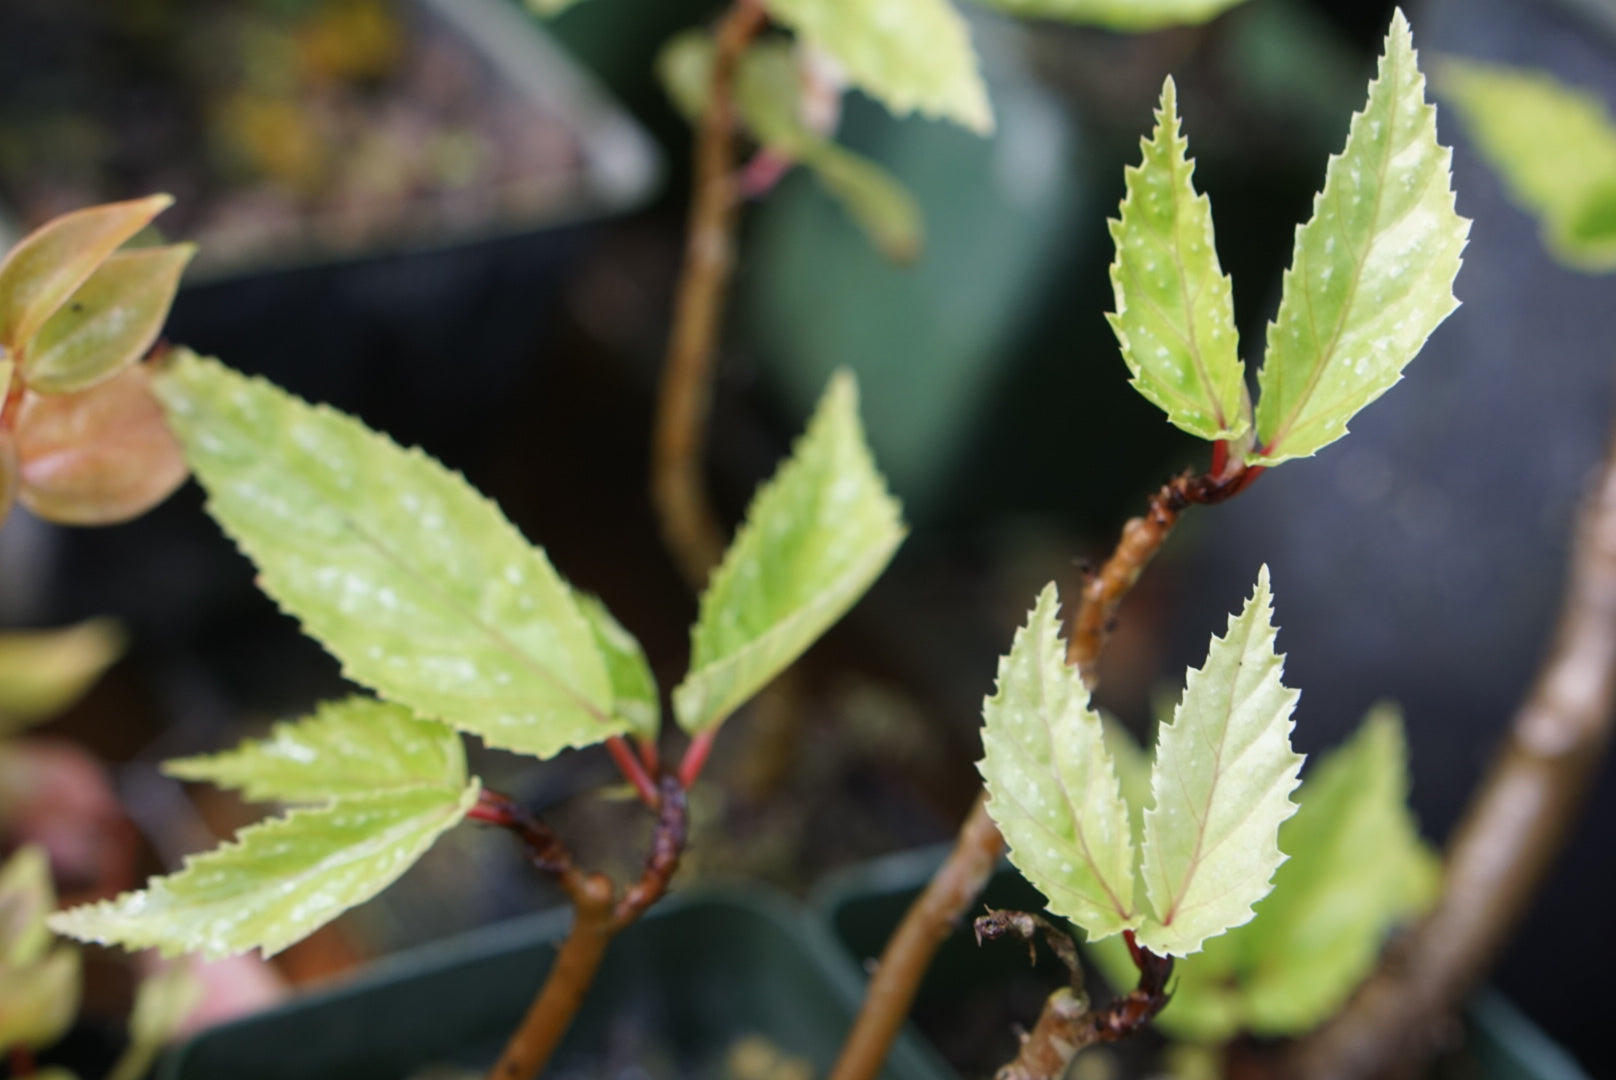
[1175, 306]
[1553, 145]
[38, 1001]
[1357, 868]
[163, 1002]
[357, 746]
[768, 92]
[280, 880]
[109, 323]
[1221, 788]
[1052, 788]
[50, 263]
[42, 672]
[1372, 272]
[635, 698]
[910, 55]
[26, 897]
[1117, 14]
[815, 538]
[411, 578]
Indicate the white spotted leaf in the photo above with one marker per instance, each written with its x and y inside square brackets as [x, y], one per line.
[1052, 785]
[816, 536]
[1175, 306]
[1372, 272]
[1221, 788]
[409, 576]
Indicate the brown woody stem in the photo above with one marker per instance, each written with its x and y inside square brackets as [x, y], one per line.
[1503, 847]
[689, 527]
[964, 873]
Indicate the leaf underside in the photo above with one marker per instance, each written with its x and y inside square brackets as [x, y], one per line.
[815, 537]
[1051, 783]
[409, 576]
[910, 55]
[1175, 306]
[1117, 14]
[1554, 146]
[1372, 272]
[357, 746]
[1221, 788]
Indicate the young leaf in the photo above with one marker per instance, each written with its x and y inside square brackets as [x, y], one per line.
[1052, 788]
[42, 672]
[411, 578]
[109, 323]
[815, 537]
[910, 55]
[1221, 786]
[279, 880]
[876, 201]
[1175, 307]
[1554, 146]
[99, 456]
[1117, 14]
[50, 263]
[635, 699]
[1372, 271]
[1357, 867]
[348, 748]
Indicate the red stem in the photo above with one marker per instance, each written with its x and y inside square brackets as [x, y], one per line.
[695, 758]
[632, 769]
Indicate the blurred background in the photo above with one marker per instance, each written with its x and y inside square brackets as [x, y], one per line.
[463, 225]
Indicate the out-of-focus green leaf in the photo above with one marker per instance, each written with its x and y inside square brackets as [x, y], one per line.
[50, 263]
[1052, 788]
[1175, 306]
[162, 1004]
[768, 91]
[635, 698]
[107, 324]
[357, 746]
[1117, 14]
[1372, 272]
[1554, 147]
[815, 537]
[26, 897]
[910, 55]
[279, 880]
[42, 672]
[551, 8]
[38, 1001]
[417, 583]
[1221, 788]
[99, 456]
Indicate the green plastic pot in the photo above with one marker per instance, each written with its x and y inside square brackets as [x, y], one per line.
[860, 907]
[675, 995]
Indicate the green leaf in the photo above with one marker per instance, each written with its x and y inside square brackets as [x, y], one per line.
[411, 578]
[1052, 788]
[38, 1001]
[551, 8]
[1175, 306]
[348, 748]
[1372, 272]
[1554, 146]
[635, 698]
[1221, 787]
[42, 672]
[26, 897]
[1357, 867]
[768, 90]
[910, 55]
[50, 263]
[1117, 14]
[815, 537]
[279, 880]
[109, 323]
[163, 1002]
